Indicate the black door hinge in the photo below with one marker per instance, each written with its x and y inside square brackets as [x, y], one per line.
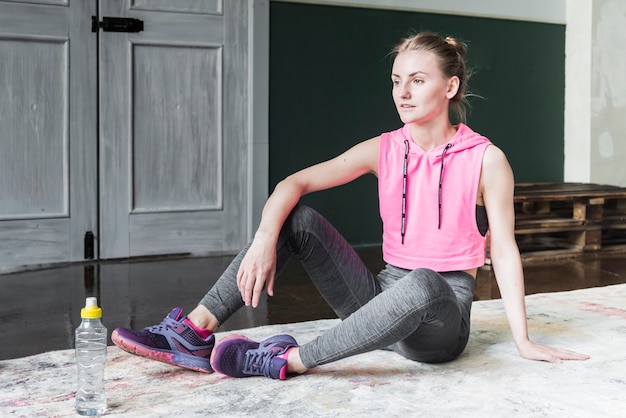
[89, 245]
[116, 24]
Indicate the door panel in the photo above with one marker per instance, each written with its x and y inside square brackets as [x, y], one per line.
[36, 152]
[47, 147]
[174, 129]
[189, 6]
[177, 134]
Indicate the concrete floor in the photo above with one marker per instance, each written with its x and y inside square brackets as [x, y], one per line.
[39, 310]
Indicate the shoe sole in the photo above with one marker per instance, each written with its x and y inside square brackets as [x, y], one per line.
[169, 357]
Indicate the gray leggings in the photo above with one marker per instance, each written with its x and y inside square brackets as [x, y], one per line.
[421, 314]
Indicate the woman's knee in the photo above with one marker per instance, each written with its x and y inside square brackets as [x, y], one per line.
[431, 357]
[302, 218]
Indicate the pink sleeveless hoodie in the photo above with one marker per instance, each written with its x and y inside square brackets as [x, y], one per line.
[438, 229]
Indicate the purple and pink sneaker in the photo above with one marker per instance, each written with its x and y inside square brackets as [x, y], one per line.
[239, 356]
[173, 341]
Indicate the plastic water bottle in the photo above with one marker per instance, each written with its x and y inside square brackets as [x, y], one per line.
[91, 350]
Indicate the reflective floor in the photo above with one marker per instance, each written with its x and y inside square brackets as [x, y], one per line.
[39, 310]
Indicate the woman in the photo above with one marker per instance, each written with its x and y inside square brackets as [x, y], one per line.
[441, 187]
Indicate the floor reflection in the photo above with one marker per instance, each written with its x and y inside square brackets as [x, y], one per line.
[39, 310]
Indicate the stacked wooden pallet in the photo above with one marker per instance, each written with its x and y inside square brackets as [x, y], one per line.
[566, 219]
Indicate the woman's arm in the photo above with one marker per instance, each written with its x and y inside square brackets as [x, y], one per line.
[258, 267]
[497, 187]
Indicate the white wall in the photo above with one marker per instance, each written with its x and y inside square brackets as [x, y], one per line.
[595, 102]
[577, 165]
[608, 92]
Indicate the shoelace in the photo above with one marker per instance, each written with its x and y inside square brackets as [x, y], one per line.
[165, 324]
[257, 362]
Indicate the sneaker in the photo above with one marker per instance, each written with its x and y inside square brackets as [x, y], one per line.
[173, 341]
[239, 356]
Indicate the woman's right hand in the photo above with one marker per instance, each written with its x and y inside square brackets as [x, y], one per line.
[257, 271]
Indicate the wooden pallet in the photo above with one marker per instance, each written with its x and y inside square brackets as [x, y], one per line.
[567, 219]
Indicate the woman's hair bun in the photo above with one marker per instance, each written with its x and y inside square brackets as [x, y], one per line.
[460, 47]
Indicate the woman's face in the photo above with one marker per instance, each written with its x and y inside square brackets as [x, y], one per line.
[421, 91]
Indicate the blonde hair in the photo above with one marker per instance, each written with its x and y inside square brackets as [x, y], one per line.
[451, 54]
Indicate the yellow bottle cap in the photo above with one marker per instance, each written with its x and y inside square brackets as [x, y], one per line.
[91, 309]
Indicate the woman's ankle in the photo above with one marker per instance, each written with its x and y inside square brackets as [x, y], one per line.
[294, 364]
[202, 318]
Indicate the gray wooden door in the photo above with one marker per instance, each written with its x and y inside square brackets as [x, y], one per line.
[139, 138]
[48, 176]
[174, 128]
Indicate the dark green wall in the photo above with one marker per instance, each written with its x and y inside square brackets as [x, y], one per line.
[330, 88]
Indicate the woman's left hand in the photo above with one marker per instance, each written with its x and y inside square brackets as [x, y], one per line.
[532, 351]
